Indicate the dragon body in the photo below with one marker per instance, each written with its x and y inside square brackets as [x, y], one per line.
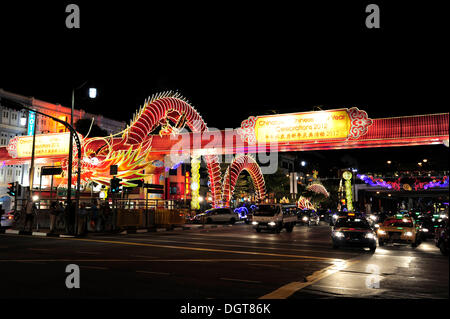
[129, 149]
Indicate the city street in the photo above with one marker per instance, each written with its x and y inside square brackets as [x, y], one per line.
[229, 262]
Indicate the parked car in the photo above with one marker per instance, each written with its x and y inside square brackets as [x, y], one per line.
[441, 237]
[217, 215]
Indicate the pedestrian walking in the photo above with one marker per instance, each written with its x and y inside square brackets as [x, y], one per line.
[106, 216]
[94, 215]
[30, 211]
[69, 217]
[82, 214]
[53, 214]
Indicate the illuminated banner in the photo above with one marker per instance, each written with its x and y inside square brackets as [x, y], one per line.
[46, 145]
[333, 124]
[31, 122]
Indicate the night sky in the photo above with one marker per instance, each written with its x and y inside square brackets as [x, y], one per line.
[228, 59]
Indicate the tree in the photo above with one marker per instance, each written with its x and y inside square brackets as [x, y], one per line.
[82, 126]
[244, 185]
[277, 184]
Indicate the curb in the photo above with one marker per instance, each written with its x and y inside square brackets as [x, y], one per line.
[125, 232]
[177, 229]
[33, 233]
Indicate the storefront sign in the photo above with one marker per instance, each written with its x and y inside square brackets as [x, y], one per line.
[31, 122]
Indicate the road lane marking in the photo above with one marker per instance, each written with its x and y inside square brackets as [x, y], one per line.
[321, 251]
[291, 288]
[152, 272]
[241, 280]
[200, 249]
[339, 288]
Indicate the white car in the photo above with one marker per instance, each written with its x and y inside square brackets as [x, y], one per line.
[224, 215]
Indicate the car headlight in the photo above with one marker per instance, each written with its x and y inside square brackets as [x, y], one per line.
[305, 218]
[408, 233]
[335, 216]
[376, 225]
[381, 232]
[373, 217]
[254, 223]
[370, 236]
[425, 230]
[271, 223]
[338, 234]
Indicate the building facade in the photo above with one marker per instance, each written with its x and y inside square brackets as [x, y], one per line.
[18, 123]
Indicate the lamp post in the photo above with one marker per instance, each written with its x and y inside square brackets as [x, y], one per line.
[92, 94]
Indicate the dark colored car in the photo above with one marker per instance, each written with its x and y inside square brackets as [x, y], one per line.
[425, 227]
[336, 215]
[441, 237]
[324, 214]
[353, 231]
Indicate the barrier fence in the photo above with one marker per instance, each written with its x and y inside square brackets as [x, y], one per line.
[122, 213]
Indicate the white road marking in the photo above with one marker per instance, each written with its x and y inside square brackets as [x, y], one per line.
[291, 288]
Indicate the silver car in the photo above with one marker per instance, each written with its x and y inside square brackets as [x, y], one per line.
[311, 218]
[215, 215]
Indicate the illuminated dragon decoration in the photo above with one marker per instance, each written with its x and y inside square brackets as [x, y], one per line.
[130, 149]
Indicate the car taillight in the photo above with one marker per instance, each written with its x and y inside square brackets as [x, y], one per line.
[10, 217]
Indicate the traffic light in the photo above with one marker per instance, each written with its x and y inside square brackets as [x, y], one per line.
[12, 189]
[139, 182]
[115, 185]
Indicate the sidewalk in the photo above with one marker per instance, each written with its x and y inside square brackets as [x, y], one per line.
[46, 232]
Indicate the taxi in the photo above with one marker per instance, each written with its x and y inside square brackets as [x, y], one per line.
[398, 229]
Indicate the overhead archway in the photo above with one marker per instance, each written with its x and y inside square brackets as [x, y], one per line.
[240, 163]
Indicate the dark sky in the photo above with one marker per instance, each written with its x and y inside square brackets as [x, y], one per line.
[230, 60]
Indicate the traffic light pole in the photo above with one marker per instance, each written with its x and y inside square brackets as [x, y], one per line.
[74, 135]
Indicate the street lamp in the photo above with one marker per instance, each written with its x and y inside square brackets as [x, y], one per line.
[303, 163]
[92, 94]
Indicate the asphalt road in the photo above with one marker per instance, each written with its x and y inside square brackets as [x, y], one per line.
[231, 262]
